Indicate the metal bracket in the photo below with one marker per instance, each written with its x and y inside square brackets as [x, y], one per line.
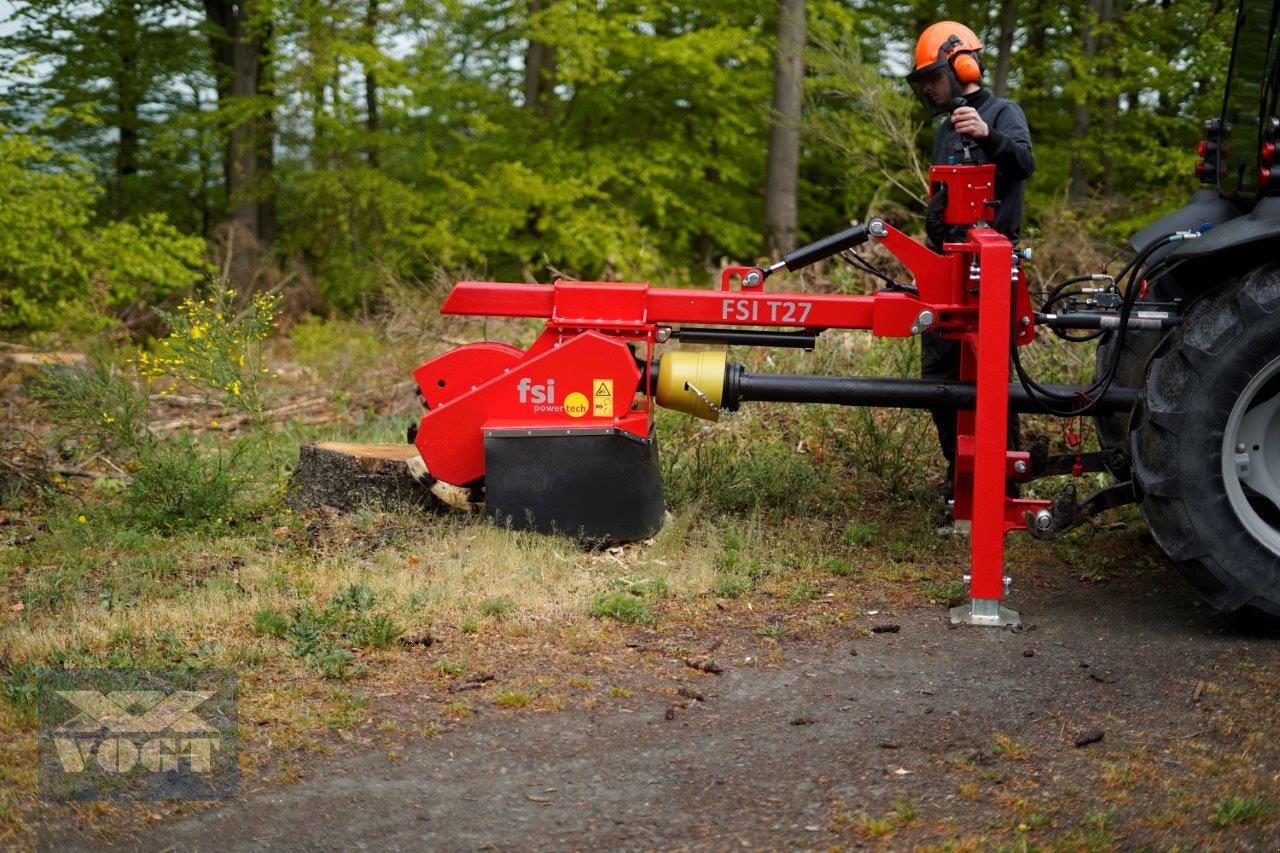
[986, 612]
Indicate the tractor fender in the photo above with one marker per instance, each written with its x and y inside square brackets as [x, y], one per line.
[1229, 249]
[1205, 205]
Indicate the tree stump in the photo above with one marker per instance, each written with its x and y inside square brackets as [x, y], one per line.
[349, 476]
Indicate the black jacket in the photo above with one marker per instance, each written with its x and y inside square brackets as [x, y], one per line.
[1008, 146]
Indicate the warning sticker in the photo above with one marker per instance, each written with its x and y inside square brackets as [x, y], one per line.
[602, 398]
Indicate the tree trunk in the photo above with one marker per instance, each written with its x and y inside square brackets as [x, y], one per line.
[128, 92]
[349, 476]
[241, 50]
[1108, 71]
[264, 144]
[371, 86]
[1008, 23]
[1081, 116]
[784, 139]
[539, 69]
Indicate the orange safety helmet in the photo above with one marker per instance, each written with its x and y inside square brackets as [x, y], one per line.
[948, 43]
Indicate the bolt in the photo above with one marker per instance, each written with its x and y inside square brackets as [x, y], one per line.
[664, 335]
[1044, 520]
[753, 279]
[923, 321]
[1026, 321]
[1020, 466]
[877, 228]
[1240, 448]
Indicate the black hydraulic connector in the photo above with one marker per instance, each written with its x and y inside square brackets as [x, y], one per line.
[1151, 320]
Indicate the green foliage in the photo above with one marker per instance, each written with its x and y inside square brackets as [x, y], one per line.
[58, 270]
[512, 699]
[446, 667]
[177, 485]
[1235, 808]
[731, 586]
[217, 347]
[725, 479]
[173, 483]
[640, 154]
[324, 638]
[497, 607]
[622, 607]
[858, 534]
[803, 591]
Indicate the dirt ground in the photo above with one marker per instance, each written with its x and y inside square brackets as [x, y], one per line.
[923, 736]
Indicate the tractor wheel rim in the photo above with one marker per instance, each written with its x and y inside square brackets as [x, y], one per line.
[1251, 457]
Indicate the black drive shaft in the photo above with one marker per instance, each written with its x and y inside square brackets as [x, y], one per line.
[741, 387]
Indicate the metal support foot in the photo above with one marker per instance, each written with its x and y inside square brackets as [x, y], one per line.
[985, 611]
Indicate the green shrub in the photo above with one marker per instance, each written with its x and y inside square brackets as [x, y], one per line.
[444, 666]
[858, 534]
[803, 591]
[216, 347]
[497, 607]
[622, 607]
[176, 486]
[376, 633]
[512, 699]
[270, 623]
[731, 586]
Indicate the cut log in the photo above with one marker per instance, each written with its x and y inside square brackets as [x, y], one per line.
[349, 476]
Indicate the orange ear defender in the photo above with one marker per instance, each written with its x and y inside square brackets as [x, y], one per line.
[949, 42]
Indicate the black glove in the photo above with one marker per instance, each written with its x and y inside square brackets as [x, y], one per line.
[934, 228]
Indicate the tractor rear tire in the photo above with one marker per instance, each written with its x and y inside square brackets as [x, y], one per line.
[1190, 464]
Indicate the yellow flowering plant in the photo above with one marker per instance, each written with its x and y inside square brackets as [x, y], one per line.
[216, 346]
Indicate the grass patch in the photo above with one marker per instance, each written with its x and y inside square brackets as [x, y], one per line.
[802, 592]
[1236, 809]
[497, 607]
[512, 699]
[325, 638]
[622, 607]
[1010, 748]
[858, 534]
[448, 668]
[731, 586]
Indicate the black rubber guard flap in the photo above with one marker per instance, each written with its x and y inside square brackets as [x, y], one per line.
[596, 486]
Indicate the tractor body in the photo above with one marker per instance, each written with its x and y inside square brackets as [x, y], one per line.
[1202, 447]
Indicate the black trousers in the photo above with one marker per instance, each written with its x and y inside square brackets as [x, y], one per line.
[940, 360]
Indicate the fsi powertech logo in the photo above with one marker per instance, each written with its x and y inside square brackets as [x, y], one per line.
[137, 734]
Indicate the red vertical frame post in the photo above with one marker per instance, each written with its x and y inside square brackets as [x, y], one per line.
[991, 351]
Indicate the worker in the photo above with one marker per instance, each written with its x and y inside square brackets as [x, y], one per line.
[978, 128]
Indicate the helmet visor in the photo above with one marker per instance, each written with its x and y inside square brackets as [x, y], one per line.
[935, 86]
